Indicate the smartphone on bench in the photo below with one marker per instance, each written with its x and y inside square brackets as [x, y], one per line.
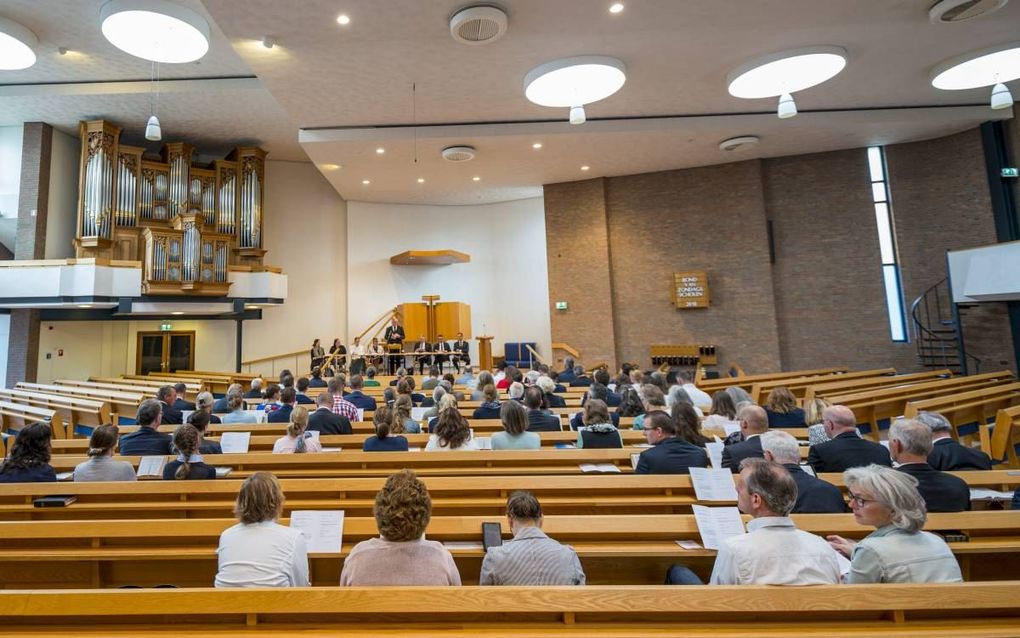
[492, 535]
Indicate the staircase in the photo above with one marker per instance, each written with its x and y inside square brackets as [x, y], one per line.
[936, 333]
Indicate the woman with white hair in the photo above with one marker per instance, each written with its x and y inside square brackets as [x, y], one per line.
[897, 551]
[677, 394]
[548, 387]
[204, 403]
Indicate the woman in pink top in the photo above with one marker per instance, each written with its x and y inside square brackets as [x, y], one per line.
[297, 440]
[401, 556]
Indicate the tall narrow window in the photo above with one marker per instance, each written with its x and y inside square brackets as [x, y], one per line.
[887, 244]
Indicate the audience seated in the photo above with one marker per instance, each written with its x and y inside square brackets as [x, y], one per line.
[580, 379]
[753, 423]
[516, 392]
[846, 449]
[288, 397]
[947, 454]
[652, 400]
[220, 405]
[595, 391]
[316, 381]
[452, 433]
[676, 394]
[432, 402]
[739, 395]
[400, 555]
[814, 496]
[302, 390]
[597, 430]
[538, 419]
[782, 409]
[548, 387]
[699, 397]
[258, 551]
[484, 378]
[490, 404]
[515, 434]
[167, 397]
[147, 440]
[630, 403]
[29, 458]
[687, 424]
[447, 402]
[402, 421]
[204, 403]
[341, 406]
[567, 375]
[384, 419]
[200, 420]
[909, 446]
[432, 380]
[814, 414]
[668, 454]
[189, 464]
[256, 389]
[359, 398]
[324, 420]
[237, 413]
[370, 381]
[101, 465]
[897, 551]
[297, 439]
[723, 415]
[271, 399]
[530, 558]
[180, 389]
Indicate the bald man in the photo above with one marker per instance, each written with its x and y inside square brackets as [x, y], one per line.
[753, 423]
[845, 449]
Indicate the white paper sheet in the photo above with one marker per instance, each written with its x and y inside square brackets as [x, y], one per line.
[730, 427]
[843, 562]
[634, 459]
[235, 442]
[599, 467]
[323, 529]
[689, 544]
[65, 476]
[223, 472]
[985, 494]
[716, 524]
[361, 414]
[713, 484]
[151, 466]
[807, 468]
[715, 449]
[484, 442]
[418, 414]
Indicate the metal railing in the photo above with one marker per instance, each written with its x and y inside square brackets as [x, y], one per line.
[937, 332]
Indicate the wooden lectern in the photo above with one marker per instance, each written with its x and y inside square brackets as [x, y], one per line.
[484, 353]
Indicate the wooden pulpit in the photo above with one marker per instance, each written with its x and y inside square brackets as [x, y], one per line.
[484, 353]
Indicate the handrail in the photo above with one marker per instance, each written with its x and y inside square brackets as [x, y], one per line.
[534, 354]
[923, 335]
[574, 352]
[277, 356]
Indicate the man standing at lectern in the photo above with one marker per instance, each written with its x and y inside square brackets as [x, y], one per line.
[395, 342]
[461, 348]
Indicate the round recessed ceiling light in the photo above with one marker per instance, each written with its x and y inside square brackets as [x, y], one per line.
[177, 312]
[343, 18]
[476, 178]
[989, 66]
[786, 72]
[738, 143]
[84, 305]
[380, 151]
[585, 167]
[616, 7]
[366, 182]
[155, 30]
[536, 145]
[16, 46]
[331, 167]
[574, 82]
[421, 180]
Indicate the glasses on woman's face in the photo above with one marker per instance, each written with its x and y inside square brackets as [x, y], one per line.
[853, 499]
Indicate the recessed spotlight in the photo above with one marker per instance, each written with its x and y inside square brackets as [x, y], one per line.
[536, 145]
[366, 182]
[616, 7]
[84, 305]
[331, 167]
[476, 178]
[585, 167]
[343, 18]
[16, 46]
[155, 30]
[380, 151]
[421, 180]
[177, 312]
[574, 82]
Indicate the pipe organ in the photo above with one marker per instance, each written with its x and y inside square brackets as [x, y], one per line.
[188, 224]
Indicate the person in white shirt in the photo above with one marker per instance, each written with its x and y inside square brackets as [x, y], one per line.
[452, 433]
[259, 552]
[700, 398]
[774, 551]
[357, 357]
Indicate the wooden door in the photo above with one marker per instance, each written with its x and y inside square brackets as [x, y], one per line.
[165, 352]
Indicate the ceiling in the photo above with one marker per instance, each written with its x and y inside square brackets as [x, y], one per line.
[333, 94]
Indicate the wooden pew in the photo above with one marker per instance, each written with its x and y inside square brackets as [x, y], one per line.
[632, 550]
[967, 411]
[155, 383]
[72, 410]
[919, 611]
[147, 390]
[747, 381]
[15, 416]
[798, 385]
[122, 405]
[1001, 443]
[824, 389]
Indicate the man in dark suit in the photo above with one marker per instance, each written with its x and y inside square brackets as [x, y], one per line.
[581, 380]
[539, 421]
[302, 389]
[147, 440]
[947, 454]
[168, 396]
[394, 338]
[462, 354]
[668, 454]
[442, 347]
[910, 445]
[753, 423]
[324, 420]
[568, 372]
[288, 396]
[220, 405]
[423, 359]
[256, 389]
[316, 381]
[814, 496]
[846, 448]
[181, 389]
[359, 398]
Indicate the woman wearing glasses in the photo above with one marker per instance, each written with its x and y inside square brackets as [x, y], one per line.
[897, 551]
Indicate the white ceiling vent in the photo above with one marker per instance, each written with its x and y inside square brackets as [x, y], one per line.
[478, 24]
[738, 143]
[950, 11]
[459, 153]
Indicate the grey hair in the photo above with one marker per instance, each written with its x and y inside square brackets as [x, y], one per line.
[546, 384]
[935, 421]
[782, 445]
[739, 395]
[438, 392]
[651, 396]
[913, 435]
[256, 383]
[532, 376]
[568, 363]
[516, 390]
[148, 410]
[204, 400]
[771, 482]
[677, 395]
[894, 489]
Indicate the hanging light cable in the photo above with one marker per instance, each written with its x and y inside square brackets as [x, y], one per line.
[153, 131]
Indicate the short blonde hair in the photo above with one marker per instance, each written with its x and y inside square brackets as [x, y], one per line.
[260, 499]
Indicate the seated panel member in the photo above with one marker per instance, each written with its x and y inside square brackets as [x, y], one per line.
[423, 358]
[357, 356]
[442, 348]
[462, 350]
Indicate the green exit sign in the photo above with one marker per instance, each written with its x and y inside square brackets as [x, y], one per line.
[166, 326]
[1010, 172]
[561, 305]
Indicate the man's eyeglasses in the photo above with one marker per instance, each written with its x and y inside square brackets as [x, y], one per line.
[860, 502]
[648, 429]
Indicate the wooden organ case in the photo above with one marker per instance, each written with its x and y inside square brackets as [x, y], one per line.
[187, 224]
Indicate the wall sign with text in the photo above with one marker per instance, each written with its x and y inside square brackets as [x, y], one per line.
[690, 289]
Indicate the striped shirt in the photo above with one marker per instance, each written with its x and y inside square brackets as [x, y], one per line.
[343, 407]
[531, 558]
